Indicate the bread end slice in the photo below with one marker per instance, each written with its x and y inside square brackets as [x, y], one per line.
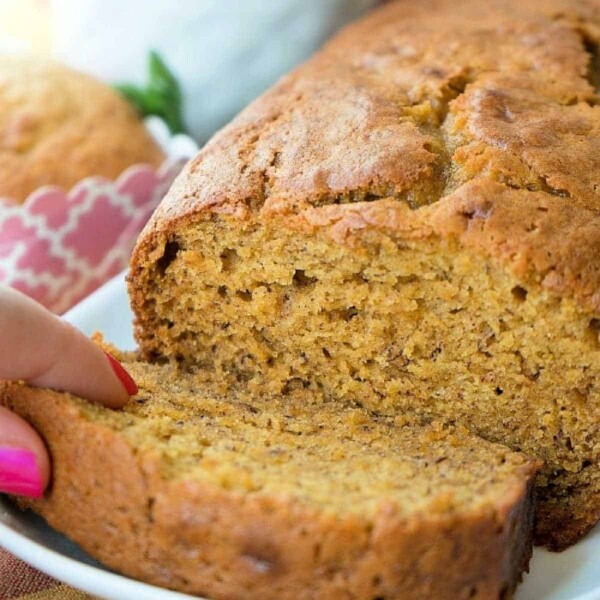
[231, 497]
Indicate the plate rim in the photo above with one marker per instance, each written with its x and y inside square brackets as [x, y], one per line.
[80, 575]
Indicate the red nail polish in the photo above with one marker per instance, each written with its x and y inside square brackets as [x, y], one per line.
[19, 473]
[126, 379]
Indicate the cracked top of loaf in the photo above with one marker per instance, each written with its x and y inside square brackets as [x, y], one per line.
[473, 121]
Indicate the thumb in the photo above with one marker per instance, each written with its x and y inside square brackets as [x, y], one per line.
[24, 461]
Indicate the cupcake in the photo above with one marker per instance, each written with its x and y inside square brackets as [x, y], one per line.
[58, 126]
[80, 174]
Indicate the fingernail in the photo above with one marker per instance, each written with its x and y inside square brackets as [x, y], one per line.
[126, 379]
[19, 473]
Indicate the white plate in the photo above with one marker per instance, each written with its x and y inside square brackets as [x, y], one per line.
[571, 575]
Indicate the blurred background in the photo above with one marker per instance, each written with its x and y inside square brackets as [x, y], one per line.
[224, 52]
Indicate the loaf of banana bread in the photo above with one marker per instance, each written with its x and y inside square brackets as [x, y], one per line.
[410, 223]
[271, 498]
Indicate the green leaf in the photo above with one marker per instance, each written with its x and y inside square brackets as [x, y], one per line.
[162, 95]
[135, 95]
[160, 77]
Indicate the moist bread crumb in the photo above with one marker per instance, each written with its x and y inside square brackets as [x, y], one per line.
[408, 222]
[58, 126]
[271, 497]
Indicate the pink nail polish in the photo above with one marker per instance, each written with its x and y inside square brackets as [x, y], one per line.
[19, 473]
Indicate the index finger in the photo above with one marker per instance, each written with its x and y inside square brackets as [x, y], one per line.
[38, 347]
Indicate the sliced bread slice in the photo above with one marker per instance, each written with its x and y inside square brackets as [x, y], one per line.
[280, 498]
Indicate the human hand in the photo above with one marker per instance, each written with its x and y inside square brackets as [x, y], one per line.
[41, 349]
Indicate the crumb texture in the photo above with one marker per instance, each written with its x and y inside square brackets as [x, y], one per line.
[281, 497]
[409, 223]
[58, 126]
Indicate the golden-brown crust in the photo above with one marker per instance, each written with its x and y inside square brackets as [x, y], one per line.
[58, 126]
[112, 500]
[436, 107]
